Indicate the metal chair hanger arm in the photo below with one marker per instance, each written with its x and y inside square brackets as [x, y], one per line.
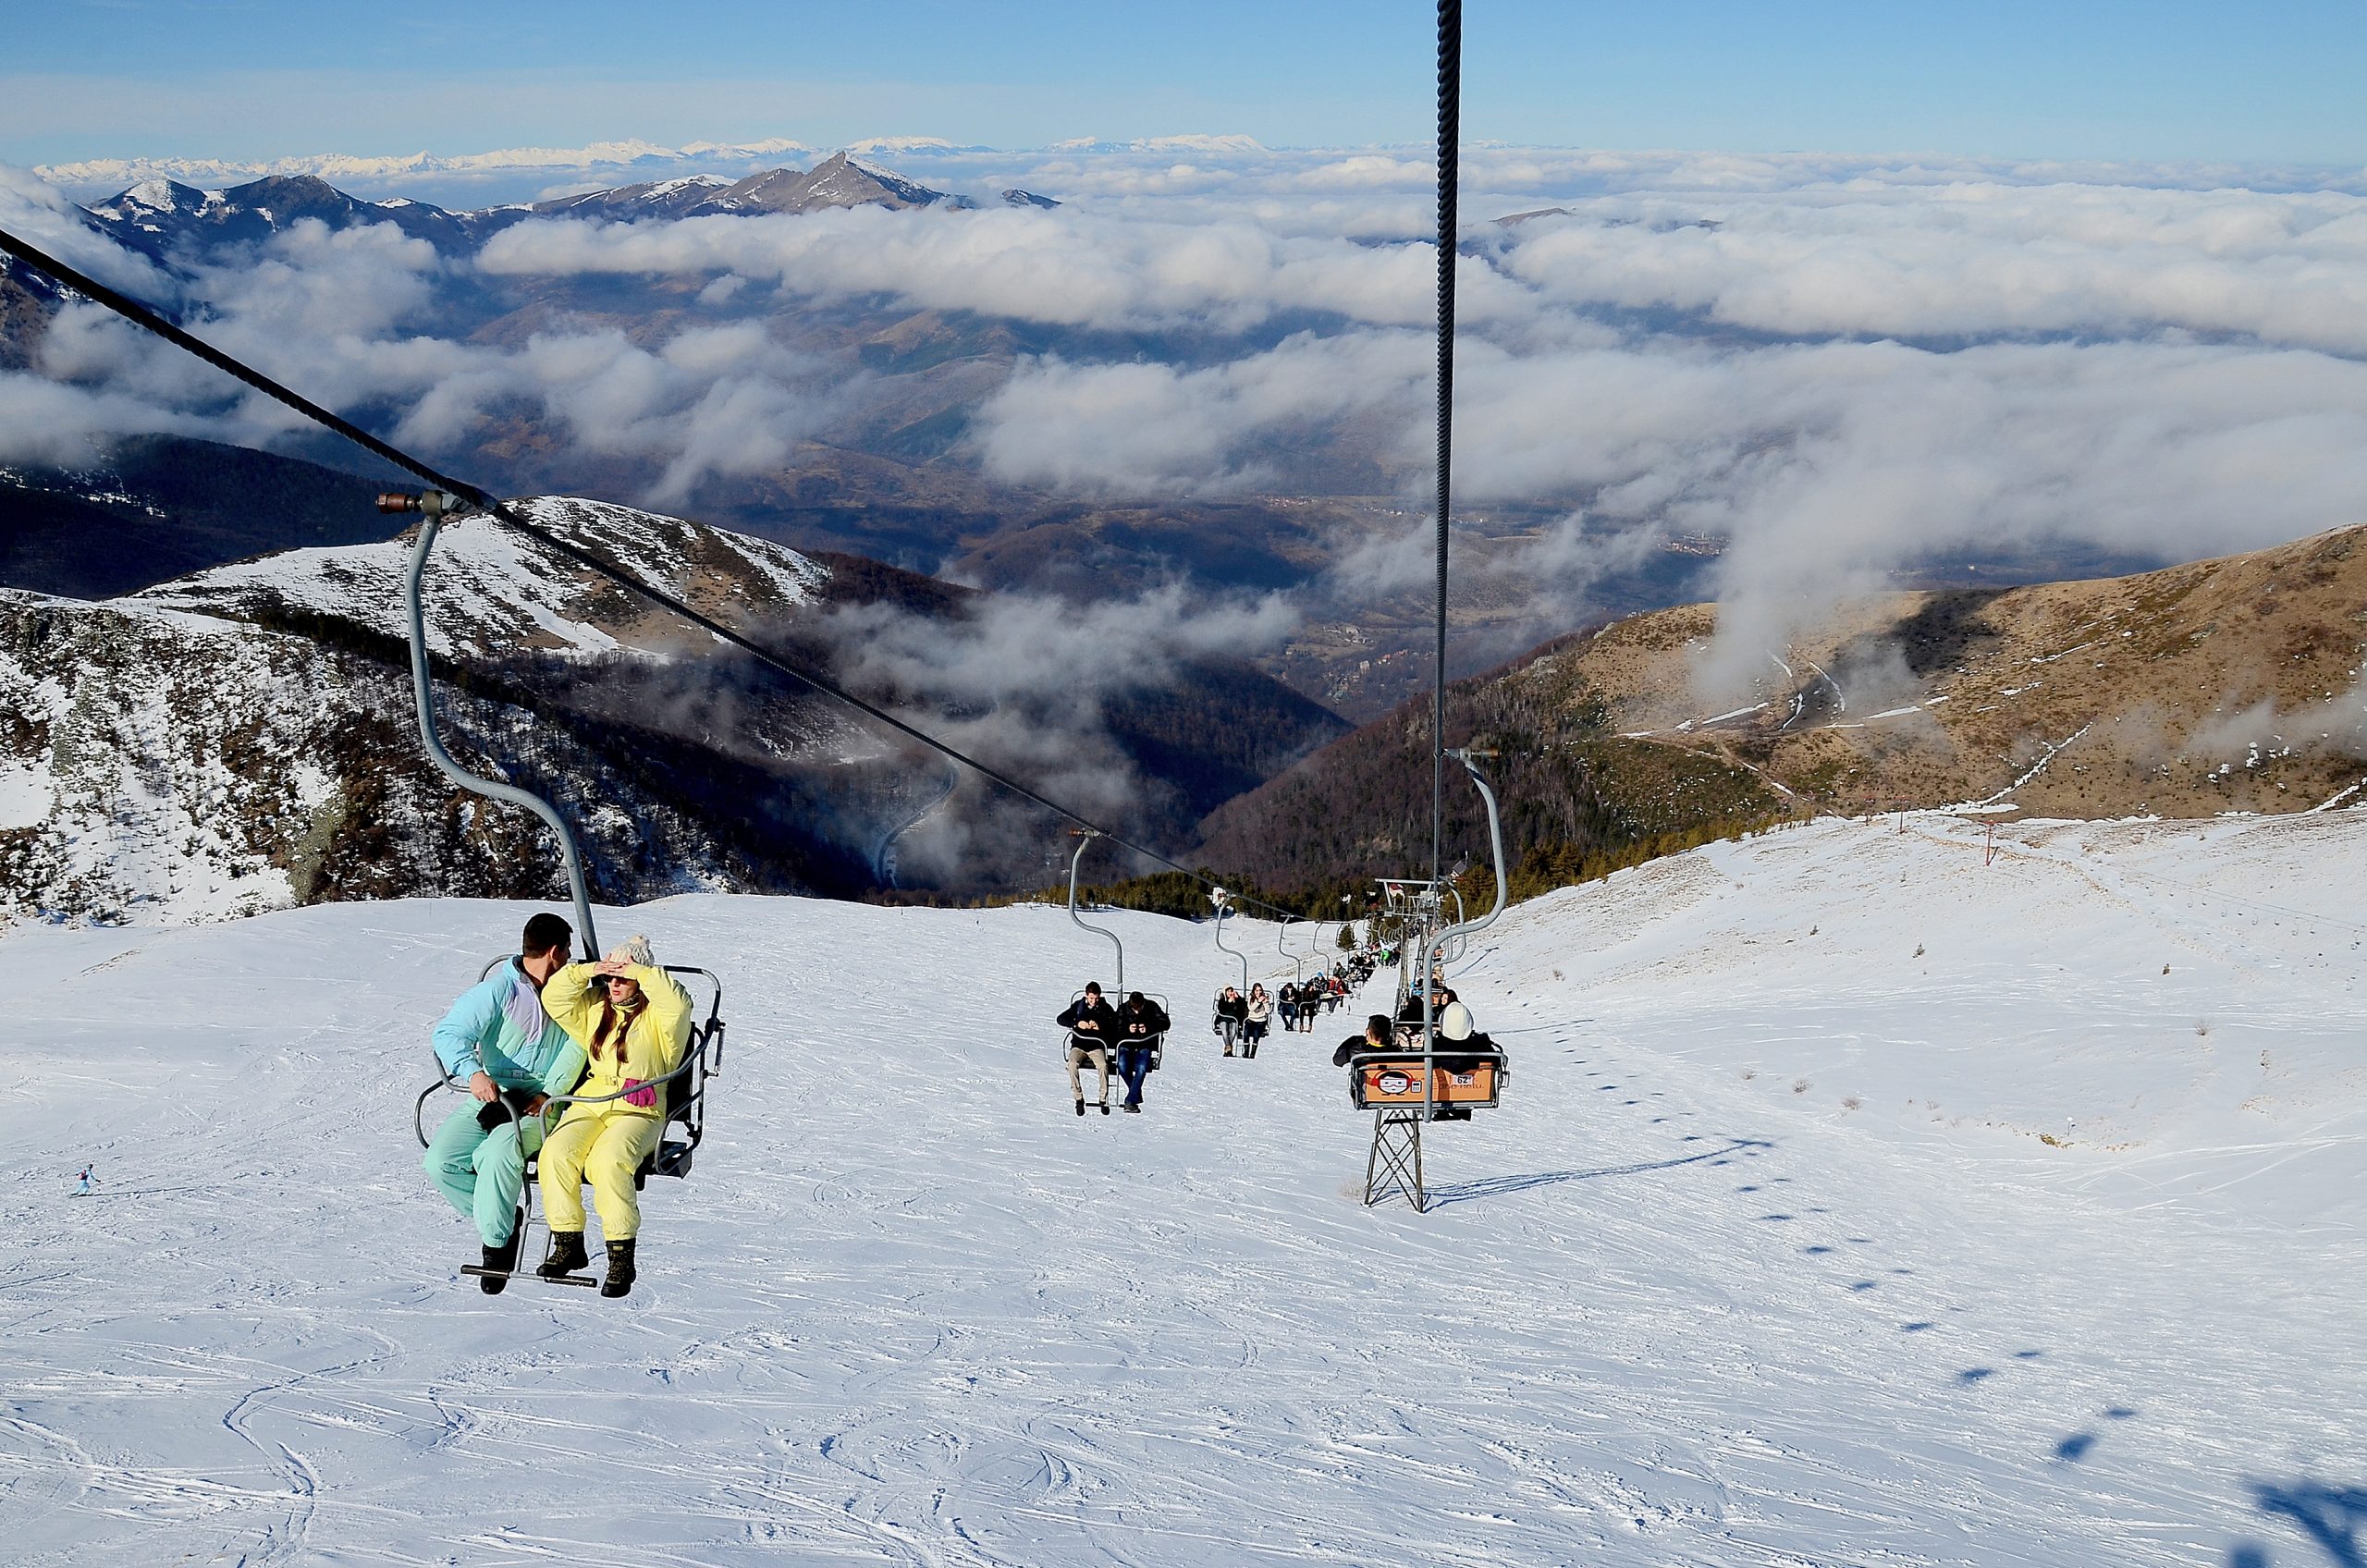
[433, 508]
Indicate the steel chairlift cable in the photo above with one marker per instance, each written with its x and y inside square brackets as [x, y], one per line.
[139, 315]
[1450, 133]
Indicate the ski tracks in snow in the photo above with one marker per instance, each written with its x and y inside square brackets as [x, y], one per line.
[911, 1310]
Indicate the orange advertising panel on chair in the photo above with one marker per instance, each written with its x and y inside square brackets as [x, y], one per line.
[1384, 1080]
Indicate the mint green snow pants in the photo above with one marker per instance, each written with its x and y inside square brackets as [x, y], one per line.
[482, 1173]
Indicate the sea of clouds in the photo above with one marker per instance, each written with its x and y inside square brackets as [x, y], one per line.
[1838, 364]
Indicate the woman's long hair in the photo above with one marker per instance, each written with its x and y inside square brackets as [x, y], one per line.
[615, 1018]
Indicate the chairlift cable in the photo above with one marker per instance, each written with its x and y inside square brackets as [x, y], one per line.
[148, 319]
[1450, 133]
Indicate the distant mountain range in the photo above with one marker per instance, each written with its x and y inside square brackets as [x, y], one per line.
[896, 473]
[171, 221]
[630, 153]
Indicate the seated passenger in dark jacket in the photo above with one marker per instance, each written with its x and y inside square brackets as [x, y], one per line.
[1410, 1015]
[1092, 1024]
[1377, 1036]
[1140, 1020]
[1140, 1023]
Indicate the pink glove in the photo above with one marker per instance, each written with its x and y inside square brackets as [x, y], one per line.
[640, 1094]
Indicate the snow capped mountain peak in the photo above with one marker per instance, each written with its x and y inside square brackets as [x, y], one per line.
[152, 199]
[161, 195]
[839, 180]
[241, 739]
[491, 590]
[902, 144]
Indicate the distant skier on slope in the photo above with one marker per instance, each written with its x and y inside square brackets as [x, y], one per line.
[513, 1055]
[633, 1020]
[86, 1178]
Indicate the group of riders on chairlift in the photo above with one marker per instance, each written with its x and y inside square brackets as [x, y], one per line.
[607, 1039]
[1135, 1029]
[1242, 1021]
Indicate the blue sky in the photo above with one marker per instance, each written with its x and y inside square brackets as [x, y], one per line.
[2098, 78]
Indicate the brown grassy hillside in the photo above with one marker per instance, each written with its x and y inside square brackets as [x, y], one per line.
[2223, 685]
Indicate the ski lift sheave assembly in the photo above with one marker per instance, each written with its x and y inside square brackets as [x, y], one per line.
[685, 1088]
[1415, 1082]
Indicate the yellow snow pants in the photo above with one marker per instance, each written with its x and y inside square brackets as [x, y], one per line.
[596, 1143]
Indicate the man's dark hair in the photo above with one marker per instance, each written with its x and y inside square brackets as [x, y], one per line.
[1093, 987]
[544, 932]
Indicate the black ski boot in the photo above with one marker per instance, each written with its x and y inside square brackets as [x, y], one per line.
[566, 1254]
[620, 1271]
[503, 1258]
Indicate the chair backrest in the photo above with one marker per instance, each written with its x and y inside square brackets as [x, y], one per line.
[1383, 1079]
[702, 1057]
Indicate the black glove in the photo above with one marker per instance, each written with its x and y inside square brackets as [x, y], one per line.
[511, 1107]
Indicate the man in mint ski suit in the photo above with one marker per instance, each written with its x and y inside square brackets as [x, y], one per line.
[497, 1037]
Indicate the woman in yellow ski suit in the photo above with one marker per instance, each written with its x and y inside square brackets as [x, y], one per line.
[633, 1021]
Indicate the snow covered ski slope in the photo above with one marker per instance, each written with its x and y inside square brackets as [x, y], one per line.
[1852, 1202]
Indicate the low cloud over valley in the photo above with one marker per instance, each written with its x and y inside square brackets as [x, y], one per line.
[1836, 368]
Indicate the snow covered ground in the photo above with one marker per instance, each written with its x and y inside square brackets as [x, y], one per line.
[1853, 1202]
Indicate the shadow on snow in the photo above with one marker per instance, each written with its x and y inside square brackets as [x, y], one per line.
[2334, 1517]
[1503, 1186]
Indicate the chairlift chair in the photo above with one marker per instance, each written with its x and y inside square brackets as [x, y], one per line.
[678, 1142]
[1085, 837]
[686, 1087]
[1158, 1041]
[1216, 1023]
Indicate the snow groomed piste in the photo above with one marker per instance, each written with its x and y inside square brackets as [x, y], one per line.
[1797, 1246]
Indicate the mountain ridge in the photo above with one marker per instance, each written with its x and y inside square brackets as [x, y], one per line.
[2233, 684]
[170, 222]
[685, 765]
